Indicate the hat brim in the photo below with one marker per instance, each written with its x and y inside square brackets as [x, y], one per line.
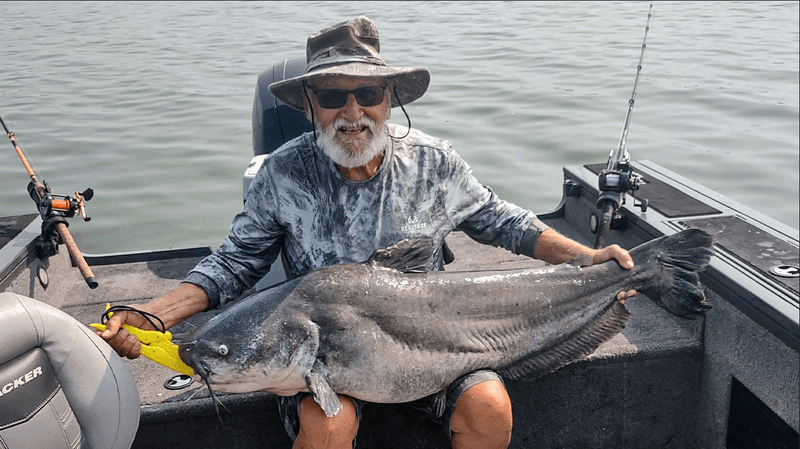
[409, 83]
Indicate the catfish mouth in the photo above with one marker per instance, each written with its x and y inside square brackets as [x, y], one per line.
[185, 354]
[201, 371]
[220, 379]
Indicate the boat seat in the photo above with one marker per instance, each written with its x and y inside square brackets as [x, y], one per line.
[61, 386]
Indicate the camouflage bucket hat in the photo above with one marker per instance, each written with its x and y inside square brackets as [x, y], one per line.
[351, 49]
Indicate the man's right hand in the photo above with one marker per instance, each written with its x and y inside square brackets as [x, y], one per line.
[172, 308]
[122, 341]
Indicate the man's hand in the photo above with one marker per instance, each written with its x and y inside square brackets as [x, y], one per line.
[612, 252]
[125, 343]
[622, 257]
[622, 296]
[172, 308]
[554, 248]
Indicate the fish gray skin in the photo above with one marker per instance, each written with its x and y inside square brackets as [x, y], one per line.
[387, 330]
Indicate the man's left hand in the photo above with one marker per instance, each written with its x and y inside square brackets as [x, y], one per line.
[620, 255]
[554, 248]
[612, 252]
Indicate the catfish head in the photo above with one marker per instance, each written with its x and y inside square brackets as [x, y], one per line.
[244, 349]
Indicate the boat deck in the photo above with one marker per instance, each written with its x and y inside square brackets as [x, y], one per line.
[662, 382]
[652, 336]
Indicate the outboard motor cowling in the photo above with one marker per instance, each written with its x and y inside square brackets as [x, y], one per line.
[274, 123]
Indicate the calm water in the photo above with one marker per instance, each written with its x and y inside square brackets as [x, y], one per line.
[150, 103]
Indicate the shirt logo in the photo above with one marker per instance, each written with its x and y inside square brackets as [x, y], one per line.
[413, 224]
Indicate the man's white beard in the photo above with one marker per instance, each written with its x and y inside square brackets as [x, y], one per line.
[343, 153]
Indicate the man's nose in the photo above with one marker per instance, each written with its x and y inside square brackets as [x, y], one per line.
[352, 111]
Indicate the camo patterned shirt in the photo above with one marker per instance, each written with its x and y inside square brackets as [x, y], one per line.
[300, 203]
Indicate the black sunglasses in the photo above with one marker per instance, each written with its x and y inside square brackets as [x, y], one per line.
[336, 98]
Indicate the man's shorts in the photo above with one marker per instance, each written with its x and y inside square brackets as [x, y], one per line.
[438, 406]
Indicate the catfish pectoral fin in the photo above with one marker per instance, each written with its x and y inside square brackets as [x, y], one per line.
[320, 387]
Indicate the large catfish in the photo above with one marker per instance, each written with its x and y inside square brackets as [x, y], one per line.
[387, 330]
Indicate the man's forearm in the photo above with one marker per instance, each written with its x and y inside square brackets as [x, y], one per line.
[172, 308]
[179, 304]
[554, 248]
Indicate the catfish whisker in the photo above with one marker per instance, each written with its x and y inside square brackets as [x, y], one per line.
[194, 326]
[216, 402]
[186, 401]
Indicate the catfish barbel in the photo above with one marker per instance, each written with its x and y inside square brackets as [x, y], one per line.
[387, 330]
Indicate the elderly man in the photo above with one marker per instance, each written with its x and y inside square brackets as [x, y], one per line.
[335, 195]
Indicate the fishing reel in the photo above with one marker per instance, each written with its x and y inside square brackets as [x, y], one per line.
[613, 184]
[50, 204]
[56, 209]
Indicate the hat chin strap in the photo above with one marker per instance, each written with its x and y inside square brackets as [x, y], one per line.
[310, 108]
[404, 112]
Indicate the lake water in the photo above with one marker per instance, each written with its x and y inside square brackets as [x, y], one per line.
[150, 103]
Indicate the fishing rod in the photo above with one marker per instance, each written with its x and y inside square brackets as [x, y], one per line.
[618, 179]
[54, 210]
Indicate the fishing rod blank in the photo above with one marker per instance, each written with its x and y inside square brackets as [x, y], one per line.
[618, 178]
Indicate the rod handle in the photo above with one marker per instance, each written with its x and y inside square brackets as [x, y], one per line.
[604, 224]
[76, 255]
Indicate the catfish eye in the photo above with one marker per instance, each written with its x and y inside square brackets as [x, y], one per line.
[223, 350]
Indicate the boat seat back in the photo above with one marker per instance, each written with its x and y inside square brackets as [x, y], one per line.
[61, 386]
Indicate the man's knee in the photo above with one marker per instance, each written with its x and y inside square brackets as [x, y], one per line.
[318, 430]
[484, 412]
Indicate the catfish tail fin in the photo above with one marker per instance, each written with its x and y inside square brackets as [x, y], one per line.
[679, 259]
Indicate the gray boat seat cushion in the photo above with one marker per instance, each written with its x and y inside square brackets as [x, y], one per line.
[61, 386]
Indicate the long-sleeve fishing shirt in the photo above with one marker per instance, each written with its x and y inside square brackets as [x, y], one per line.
[299, 202]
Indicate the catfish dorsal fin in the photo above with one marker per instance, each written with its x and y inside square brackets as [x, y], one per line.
[409, 256]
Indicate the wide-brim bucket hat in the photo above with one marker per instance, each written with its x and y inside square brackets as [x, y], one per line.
[351, 49]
